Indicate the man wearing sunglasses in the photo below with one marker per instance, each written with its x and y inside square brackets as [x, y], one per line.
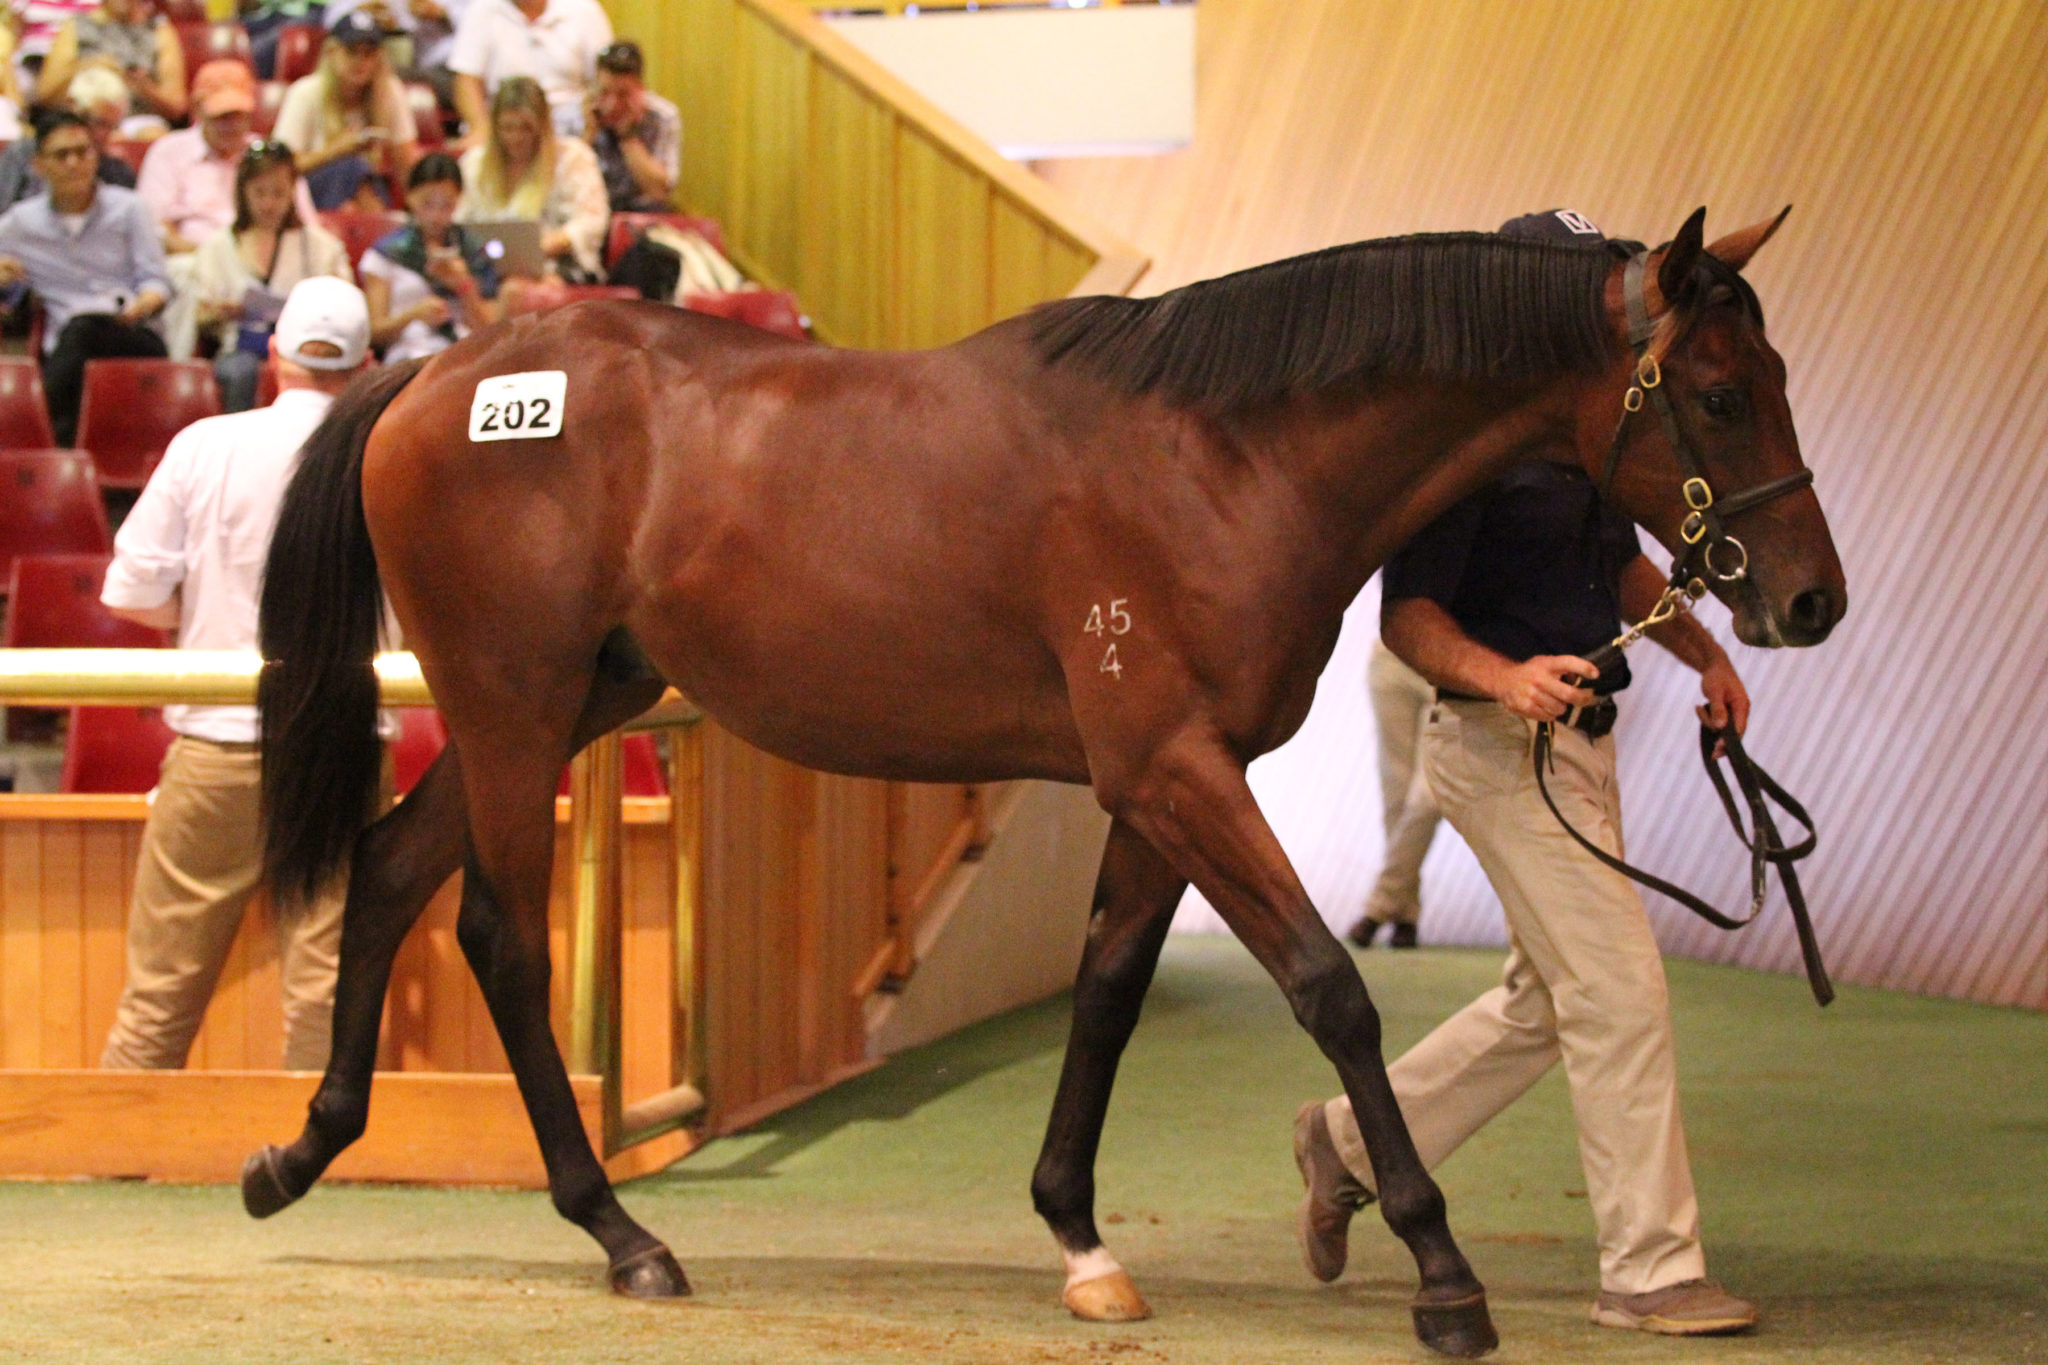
[91, 254]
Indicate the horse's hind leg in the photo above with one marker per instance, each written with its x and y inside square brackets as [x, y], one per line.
[398, 864]
[1190, 800]
[1135, 896]
[503, 930]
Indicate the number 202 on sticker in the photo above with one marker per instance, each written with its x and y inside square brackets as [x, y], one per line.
[519, 407]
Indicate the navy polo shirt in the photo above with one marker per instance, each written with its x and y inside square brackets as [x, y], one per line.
[1531, 564]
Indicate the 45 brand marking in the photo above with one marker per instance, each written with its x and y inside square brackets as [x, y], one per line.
[1115, 621]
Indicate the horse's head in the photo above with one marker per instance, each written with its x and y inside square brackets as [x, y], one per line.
[1705, 456]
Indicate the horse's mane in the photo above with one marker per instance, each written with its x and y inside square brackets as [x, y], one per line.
[1461, 305]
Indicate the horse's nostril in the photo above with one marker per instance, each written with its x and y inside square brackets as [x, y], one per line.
[1813, 612]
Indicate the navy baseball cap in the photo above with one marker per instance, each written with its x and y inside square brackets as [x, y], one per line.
[357, 27]
[1555, 225]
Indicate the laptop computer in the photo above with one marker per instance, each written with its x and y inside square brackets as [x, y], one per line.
[513, 244]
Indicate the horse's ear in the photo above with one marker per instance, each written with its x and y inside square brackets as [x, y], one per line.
[1737, 247]
[1674, 275]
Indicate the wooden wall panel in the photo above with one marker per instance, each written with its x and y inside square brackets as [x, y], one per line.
[1905, 293]
[835, 179]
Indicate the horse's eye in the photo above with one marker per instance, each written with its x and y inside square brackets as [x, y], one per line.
[1722, 404]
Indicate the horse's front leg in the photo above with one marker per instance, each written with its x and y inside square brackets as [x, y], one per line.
[1190, 800]
[1135, 897]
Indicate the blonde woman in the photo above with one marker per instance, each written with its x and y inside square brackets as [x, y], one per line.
[348, 121]
[242, 274]
[121, 35]
[526, 170]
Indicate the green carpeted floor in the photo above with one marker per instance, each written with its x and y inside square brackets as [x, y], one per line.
[1876, 1175]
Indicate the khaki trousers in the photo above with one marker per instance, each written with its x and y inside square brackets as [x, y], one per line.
[1400, 706]
[1583, 981]
[202, 859]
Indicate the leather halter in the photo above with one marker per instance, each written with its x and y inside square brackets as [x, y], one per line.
[1703, 534]
[1709, 549]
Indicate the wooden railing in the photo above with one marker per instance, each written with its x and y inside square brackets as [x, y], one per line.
[895, 226]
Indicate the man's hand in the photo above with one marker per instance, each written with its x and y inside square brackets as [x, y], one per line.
[11, 271]
[141, 308]
[1535, 689]
[1727, 698]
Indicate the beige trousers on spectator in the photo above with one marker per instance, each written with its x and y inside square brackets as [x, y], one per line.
[202, 858]
[1584, 981]
[1400, 705]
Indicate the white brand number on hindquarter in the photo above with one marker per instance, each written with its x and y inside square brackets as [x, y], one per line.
[1115, 621]
[519, 407]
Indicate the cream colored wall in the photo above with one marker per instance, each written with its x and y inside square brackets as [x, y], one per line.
[1907, 294]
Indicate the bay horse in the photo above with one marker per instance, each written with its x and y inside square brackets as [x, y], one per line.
[1110, 541]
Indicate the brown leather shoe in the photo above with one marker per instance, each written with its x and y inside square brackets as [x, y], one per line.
[1333, 1195]
[1690, 1308]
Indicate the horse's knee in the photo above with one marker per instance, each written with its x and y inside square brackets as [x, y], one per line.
[1329, 1000]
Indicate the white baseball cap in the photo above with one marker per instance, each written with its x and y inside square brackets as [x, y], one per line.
[327, 309]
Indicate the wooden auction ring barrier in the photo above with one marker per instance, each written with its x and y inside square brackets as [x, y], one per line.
[150, 677]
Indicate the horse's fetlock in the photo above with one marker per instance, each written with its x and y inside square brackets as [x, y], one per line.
[339, 1119]
[1413, 1208]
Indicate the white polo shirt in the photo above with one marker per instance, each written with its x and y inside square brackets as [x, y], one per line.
[204, 523]
[559, 49]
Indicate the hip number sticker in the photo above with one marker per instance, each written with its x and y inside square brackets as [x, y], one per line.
[1116, 621]
[519, 407]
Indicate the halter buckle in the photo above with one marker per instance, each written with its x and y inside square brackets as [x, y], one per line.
[1693, 528]
[1632, 401]
[1699, 495]
[1648, 374]
[1741, 568]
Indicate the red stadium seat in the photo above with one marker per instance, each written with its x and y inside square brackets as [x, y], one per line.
[53, 602]
[426, 115]
[360, 231]
[183, 11]
[24, 411]
[627, 226]
[210, 42]
[130, 150]
[269, 99]
[643, 775]
[772, 310]
[541, 298]
[133, 408]
[421, 735]
[50, 505]
[114, 749]
[298, 51]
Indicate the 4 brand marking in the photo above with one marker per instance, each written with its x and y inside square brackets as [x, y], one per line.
[1115, 621]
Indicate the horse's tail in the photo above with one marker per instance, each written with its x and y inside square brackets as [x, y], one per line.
[323, 605]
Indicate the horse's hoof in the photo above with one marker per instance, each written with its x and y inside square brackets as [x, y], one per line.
[1459, 1328]
[649, 1274]
[1107, 1298]
[263, 1191]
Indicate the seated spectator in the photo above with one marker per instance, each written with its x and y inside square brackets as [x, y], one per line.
[526, 170]
[348, 121]
[264, 20]
[638, 135]
[18, 178]
[41, 21]
[123, 36]
[429, 284]
[427, 26]
[188, 181]
[91, 253]
[241, 274]
[11, 103]
[554, 42]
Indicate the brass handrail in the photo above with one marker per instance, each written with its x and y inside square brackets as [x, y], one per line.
[156, 677]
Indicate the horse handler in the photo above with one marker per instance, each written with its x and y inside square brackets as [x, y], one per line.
[1494, 603]
[190, 557]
